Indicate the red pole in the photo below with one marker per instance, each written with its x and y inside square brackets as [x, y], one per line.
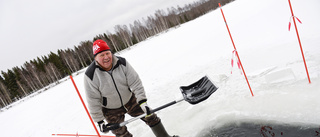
[84, 105]
[294, 21]
[79, 135]
[236, 51]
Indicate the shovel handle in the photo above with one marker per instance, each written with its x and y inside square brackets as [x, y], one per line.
[152, 111]
[163, 106]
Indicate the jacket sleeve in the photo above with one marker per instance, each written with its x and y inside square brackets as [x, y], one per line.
[135, 83]
[93, 99]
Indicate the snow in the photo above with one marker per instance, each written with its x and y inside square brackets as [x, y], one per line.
[201, 47]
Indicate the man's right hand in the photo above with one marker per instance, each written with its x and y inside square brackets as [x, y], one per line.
[105, 128]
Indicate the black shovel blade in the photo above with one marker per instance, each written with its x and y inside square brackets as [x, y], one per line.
[198, 91]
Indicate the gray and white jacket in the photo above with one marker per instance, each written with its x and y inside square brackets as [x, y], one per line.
[111, 90]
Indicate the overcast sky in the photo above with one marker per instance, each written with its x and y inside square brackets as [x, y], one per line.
[32, 28]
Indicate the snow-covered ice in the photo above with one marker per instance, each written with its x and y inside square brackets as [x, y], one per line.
[201, 47]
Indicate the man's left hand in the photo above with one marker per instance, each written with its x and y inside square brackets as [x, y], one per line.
[144, 106]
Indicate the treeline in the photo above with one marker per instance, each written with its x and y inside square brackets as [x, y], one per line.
[41, 72]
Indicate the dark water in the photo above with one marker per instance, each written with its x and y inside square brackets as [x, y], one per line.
[250, 129]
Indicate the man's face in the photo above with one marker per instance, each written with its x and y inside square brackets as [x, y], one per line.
[104, 59]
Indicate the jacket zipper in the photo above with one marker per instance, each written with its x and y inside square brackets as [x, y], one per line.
[118, 91]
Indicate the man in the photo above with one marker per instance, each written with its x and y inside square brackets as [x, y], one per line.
[113, 88]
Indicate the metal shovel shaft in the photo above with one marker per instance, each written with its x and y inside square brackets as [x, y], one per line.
[194, 93]
[152, 111]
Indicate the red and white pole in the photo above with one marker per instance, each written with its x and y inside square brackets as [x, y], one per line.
[80, 135]
[235, 49]
[84, 105]
[294, 21]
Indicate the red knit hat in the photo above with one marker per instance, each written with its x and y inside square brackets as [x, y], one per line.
[99, 46]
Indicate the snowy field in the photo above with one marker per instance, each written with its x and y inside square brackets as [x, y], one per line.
[270, 55]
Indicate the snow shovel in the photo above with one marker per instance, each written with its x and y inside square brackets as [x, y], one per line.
[194, 94]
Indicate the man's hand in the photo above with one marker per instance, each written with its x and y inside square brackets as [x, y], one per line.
[105, 128]
[144, 106]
